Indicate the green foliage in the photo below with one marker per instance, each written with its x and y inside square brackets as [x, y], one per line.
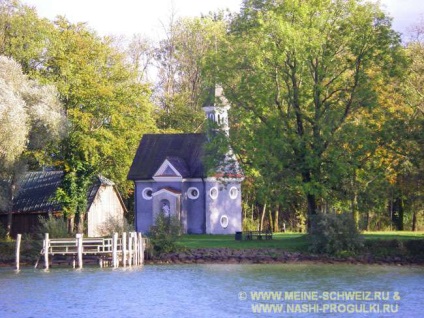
[334, 234]
[3, 232]
[303, 90]
[183, 82]
[164, 234]
[108, 109]
[114, 225]
[74, 190]
[250, 225]
[55, 226]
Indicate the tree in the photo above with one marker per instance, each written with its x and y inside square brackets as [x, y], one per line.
[108, 110]
[31, 118]
[183, 83]
[300, 75]
[23, 35]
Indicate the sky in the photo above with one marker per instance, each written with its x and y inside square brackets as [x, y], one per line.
[147, 17]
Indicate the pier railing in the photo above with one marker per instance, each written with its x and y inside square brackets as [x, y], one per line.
[126, 250]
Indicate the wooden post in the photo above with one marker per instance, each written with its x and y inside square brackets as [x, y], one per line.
[79, 245]
[46, 244]
[130, 249]
[124, 249]
[18, 250]
[135, 248]
[115, 250]
[140, 247]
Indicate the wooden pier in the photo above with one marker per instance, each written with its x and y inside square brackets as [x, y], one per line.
[127, 250]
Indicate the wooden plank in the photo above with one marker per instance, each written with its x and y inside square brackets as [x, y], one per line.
[46, 251]
[18, 250]
[115, 250]
[80, 249]
[124, 249]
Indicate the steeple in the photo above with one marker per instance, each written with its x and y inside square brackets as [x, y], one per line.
[216, 108]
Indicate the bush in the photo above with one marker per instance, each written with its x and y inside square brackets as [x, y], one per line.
[334, 234]
[385, 248]
[56, 227]
[249, 224]
[114, 225]
[3, 232]
[163, 235]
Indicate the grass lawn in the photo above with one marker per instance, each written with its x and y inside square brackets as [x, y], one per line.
[391, 235]
[287, 241]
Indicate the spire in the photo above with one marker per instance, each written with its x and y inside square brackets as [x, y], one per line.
[216, 108]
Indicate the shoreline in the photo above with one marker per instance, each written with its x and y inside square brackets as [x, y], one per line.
[272, 256]
[257, 256]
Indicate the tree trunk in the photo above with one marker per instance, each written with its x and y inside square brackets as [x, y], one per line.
[276, 227]
[270, 222]
[367, 221]
[12, 190]
[263, 217]
[354, 207]
[81, 222]
[354, 201]
[9, 224]
[397, 213]
[71, 224]
[312, 210]
[414, 220]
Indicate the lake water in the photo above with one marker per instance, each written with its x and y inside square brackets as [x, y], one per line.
[283, 290]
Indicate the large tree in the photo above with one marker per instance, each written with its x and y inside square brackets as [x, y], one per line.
[107, 107]
[31, 118]
[301, 76]
[182, 82]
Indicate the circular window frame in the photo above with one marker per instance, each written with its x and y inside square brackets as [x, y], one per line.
[213, 193]
[234, 193]
[224, 221]
[145, 195]
[190, 195]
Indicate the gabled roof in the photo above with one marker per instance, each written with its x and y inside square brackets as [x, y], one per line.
[179, 164]
[183, 151]
[37, 191]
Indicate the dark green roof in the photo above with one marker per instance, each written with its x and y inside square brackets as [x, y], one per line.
[184, 151]
[37, 191]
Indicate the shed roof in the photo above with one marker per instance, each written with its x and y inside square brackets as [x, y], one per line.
[37, 191]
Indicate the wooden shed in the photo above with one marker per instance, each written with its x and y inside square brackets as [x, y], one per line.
[36, 197]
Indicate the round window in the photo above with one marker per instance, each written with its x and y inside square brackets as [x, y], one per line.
[147, 193]
[233, 193]
[213, 193]
[224, 221]
[193, 193]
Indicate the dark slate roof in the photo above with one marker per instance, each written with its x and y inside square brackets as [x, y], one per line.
[184, 151]
[180, 165]
[37, 190]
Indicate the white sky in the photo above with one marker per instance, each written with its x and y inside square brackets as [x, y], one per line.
[128, 17]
